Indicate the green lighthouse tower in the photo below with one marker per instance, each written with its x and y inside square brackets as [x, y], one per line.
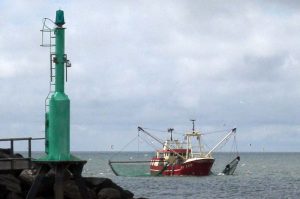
[58, 160]
[58, 135]
[57, 125]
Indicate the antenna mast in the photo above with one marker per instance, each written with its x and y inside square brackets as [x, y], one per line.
[193, 124]
[170, 130]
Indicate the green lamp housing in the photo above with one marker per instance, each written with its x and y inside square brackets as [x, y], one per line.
[59, 20]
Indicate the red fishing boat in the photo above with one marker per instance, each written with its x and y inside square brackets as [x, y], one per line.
[183, 158]
[180, 161]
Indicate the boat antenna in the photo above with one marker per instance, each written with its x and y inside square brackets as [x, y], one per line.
[170, 130]
[193, 125]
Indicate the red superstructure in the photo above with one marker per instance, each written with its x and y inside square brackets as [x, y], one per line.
[176, 160]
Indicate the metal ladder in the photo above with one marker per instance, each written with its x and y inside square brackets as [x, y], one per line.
[51, 45]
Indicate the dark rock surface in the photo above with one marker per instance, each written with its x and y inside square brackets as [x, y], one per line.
[5, 153]
[109, 193]
[16, 186]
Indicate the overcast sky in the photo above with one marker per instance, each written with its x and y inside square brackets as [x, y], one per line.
[157, 64]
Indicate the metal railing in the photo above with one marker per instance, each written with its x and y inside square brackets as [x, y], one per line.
[12, 162]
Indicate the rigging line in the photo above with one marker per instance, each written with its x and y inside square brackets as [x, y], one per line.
[157, 130]
[217, 131]
[118, 152]
[138, 141]
[223, 144]
[154, 137]
[236, 145]
[232, 149]
[205, 146]
[149, 143]
[163, 131]
[233, 146]
[206, 133]
[175, 132]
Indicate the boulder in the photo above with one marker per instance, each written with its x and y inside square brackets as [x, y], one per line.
[11, 183]
[109, 193]
[97, 184]
[27, 176]
[13, 195]
[71, 190]
[127, 194]
[5, 153]
[3, 191]
[45, 188]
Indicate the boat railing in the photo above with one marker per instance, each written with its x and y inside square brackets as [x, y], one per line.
[198, 155]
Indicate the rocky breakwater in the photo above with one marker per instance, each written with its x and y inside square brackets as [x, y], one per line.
[16, 184]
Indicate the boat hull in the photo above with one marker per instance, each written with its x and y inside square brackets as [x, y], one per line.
[193, 167]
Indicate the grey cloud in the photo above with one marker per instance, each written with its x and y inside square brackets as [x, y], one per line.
[156, 64]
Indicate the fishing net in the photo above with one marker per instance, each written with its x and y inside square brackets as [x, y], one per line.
[131, 164]
[231, 167]
[130, 168]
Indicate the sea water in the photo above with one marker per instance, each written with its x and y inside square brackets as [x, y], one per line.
[258, 175]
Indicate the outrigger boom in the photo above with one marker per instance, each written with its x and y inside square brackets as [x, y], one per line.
[233, 131]
[159, 141]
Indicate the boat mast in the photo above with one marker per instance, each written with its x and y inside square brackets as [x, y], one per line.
[198, 138]
[170, 130]
[193, 125]
[197, 135]
[189, 150]
[188, 146]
